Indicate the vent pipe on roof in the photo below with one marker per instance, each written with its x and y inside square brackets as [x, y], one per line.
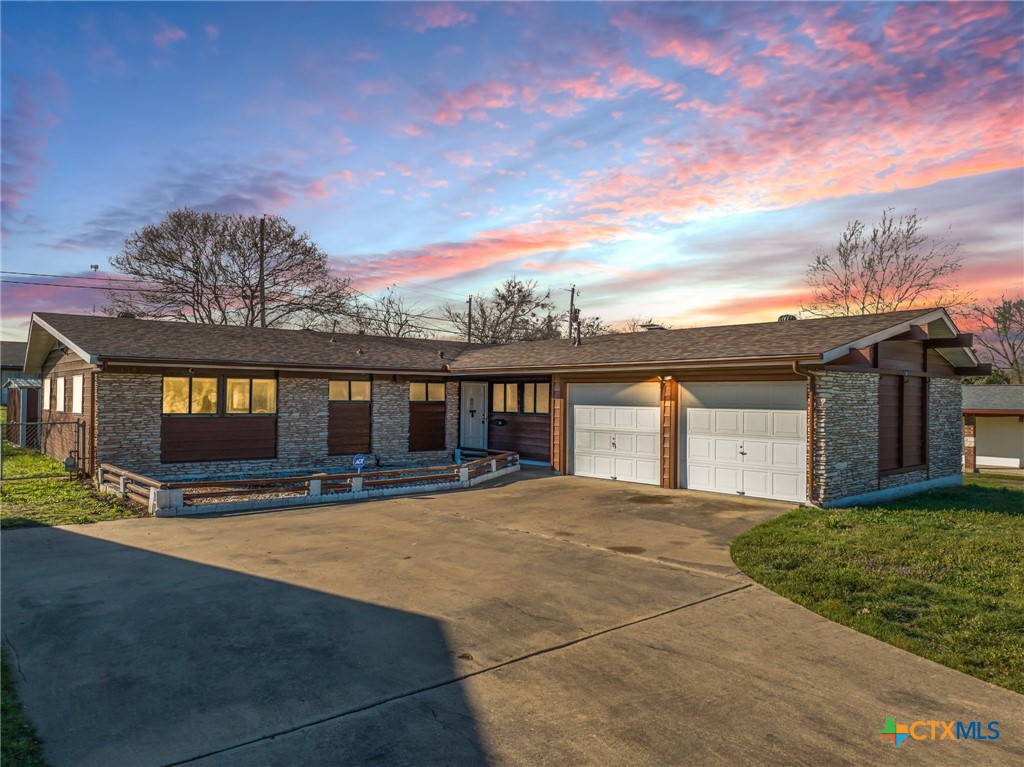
[126, 315]
[653, 326]
[787, 318]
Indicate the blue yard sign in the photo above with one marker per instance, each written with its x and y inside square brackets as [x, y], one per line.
[359, 462]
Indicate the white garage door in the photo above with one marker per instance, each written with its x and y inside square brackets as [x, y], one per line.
[616, 443]
[760, 453]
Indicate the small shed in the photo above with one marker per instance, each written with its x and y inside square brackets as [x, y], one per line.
[22, 427]
[993, 426]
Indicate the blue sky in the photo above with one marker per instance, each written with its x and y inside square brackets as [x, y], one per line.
[676, 160]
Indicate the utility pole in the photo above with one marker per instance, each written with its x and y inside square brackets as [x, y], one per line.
[572, 316]
[263, 259]
[469, 322]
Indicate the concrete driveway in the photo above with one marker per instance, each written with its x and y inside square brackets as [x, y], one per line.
[556, 620]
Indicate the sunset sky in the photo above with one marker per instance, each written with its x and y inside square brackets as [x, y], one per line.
[681, 161]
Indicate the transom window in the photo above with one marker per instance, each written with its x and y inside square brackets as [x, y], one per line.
[426, 392]
[349, 391]
[505, 398]
[536, 397]
[251, 395]
[184, 395]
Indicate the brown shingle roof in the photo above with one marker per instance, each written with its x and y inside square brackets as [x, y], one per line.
[111, 338]
[12, 354]
[726, 342]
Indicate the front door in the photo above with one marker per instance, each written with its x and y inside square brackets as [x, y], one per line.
[474, 415]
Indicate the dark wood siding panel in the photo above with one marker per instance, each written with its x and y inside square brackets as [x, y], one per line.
[938, 364]
[426, 426]
[888, 422]
[528, 435]
[913, 421]
[348, 428]
[230, 438]
[58, 441]
[901, 355]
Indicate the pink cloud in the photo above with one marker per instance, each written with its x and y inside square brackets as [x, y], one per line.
[474, 100]
[412, 130]
[439, 16]
[167, 35]
[26, 121]
[212, 31]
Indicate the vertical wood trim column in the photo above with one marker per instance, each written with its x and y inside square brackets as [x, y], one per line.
[558, 417]
[970, 454]
[669, 434]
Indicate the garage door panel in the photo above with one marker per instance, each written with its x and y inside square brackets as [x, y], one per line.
[788, 455]
[788, 425]
[727, 421]
[727, 450]
[757, 452]
[757, 422]
[617, 443]
[647, 445]
[699, 448]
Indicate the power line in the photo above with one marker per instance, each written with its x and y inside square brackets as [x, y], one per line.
[59, 285]
[126, 278]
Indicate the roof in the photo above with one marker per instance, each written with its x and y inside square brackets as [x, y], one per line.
[994, 397]
[814, 338]
[12, 354]
[23, 382]
[98, 338]
[115, 339]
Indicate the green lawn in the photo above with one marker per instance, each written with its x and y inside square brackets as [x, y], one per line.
[19, 746]
[939, 574]
[52, 500]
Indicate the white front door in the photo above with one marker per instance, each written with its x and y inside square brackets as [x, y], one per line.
[474, 415]
[761, 453]
[612, 442]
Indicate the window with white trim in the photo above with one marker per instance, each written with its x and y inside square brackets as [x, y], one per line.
[60, 395]
[77, 392]
[46, 394]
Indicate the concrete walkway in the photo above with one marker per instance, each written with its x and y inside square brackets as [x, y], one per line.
[546, 621]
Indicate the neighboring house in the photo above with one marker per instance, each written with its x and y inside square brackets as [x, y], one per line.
[12, 362]
[22, 411]
[993, 427]
[871, 404]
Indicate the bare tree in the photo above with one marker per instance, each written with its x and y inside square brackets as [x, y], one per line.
[595, 326]
[636, 324]
[1000, 333]
[516, 310]
[205, 268]
[388, 315]
[893, 266]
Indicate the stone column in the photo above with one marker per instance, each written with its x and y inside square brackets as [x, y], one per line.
[970, 455]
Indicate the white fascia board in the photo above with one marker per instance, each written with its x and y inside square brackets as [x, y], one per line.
[894, 330]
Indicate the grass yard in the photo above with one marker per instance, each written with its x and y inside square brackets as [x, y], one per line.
[51, 500]
[938, 574]
[19, 746]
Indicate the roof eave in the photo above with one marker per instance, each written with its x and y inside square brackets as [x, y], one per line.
[646, 365]
[893, 330]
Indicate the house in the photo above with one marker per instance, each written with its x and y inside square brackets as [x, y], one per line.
[993, 427]
[826, 411]
[12, 360]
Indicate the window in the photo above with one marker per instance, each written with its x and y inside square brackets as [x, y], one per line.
[77, 390]
[536, 397]
[505, 398]
[60, 395]
[46, 394]
[426, 392]
[902, 422]
[349, 391]
[251, 395]
[195, 396]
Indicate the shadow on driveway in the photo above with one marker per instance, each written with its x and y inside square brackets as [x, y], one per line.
[124, 656]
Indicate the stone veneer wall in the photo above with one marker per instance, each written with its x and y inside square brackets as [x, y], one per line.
[128, 427]
[845, 434]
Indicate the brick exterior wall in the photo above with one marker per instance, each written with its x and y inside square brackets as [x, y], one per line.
[128, 433]
[845, 435]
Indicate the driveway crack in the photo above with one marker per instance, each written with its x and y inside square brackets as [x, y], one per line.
[460, 678]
